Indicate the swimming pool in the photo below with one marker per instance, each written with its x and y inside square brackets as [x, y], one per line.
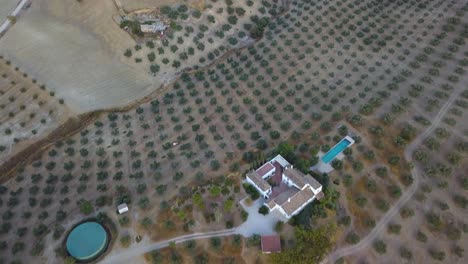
[337, 149]
[86, 241]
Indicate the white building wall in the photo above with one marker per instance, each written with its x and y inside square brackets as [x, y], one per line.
[281, 161]
[266, 193]
[315, 191]
[268, 174]
[350, 139]
[289, 182]
[280, 209]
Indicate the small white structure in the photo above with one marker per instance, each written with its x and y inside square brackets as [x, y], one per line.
[284, 163]
[122, 208]
[153, 28]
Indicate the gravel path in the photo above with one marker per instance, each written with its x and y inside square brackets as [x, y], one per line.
[383, 222]
[255, 224]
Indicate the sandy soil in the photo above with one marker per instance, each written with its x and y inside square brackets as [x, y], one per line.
[76, 59]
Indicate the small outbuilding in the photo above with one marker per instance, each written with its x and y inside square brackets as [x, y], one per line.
[156, 27]
[271, 244]
[122, 208]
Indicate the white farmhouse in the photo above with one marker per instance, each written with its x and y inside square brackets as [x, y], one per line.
[258, 178]
[292, 191]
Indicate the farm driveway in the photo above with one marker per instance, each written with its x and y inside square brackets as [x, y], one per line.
[255, 224]
[130, 254]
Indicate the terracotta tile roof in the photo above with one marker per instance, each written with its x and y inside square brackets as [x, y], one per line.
[267, 167]
[291, 198]
[271, 244]
[295, 176]
[257, 179]
[300, 179]
[271, 204]
[296, 201]
[284, 196]
[319, 196]
[312, 181]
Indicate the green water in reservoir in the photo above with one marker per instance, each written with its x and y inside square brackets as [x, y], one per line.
[87, 241]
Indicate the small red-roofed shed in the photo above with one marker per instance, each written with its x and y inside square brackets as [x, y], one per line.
[271, 244]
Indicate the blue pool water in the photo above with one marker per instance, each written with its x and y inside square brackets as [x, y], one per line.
[86, 241]
[337, 149]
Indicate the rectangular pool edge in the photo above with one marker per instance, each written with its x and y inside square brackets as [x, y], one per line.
[337, 149]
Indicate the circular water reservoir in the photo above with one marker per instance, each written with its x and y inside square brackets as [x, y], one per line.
[87, 241]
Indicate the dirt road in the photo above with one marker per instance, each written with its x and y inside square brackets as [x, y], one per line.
[132, 253]
[383, 222]
[4, 27]
[256, 224]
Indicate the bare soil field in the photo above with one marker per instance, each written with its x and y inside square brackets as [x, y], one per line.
[76, 49]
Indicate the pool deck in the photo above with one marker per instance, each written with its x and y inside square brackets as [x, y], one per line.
[326, 167]
[323, 167]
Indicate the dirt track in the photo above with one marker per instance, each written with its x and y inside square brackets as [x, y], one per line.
[383, 222]
[7, 6]
[130, 254]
